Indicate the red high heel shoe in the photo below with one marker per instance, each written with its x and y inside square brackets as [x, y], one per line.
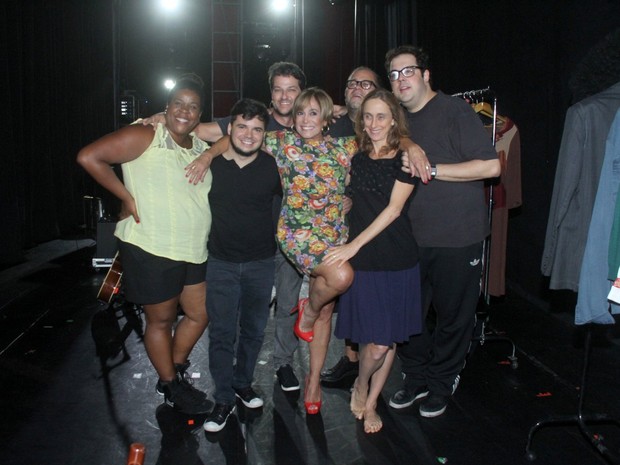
[305, 335]
[312, 408]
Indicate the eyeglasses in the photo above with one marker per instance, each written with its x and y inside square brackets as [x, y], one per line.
[352, 84]
[407, 71]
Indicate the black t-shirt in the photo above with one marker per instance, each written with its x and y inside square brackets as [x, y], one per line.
[371, 186]
[272, 125]
[342, 127]
[449, 214]
[241, 201]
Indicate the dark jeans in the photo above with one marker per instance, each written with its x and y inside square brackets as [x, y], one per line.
[238, 296]
[451, 282]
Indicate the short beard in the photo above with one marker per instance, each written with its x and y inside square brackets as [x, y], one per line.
[241, 152]
[278, 112]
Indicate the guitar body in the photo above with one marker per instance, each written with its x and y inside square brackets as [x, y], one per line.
[112, 282]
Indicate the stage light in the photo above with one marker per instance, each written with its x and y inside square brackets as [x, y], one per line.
[169, 83]
[169, 5]
[280, 5]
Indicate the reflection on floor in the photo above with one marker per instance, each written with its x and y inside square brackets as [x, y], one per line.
[65, 400]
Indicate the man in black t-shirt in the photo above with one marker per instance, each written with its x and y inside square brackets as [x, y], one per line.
[449, 222]
[240, 268]
[286, 81]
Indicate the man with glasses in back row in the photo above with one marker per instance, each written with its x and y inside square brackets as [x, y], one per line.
[449, 221]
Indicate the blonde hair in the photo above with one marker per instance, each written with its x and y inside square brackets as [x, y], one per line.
[325, 102]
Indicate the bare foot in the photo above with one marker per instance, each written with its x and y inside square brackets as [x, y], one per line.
[372, 421]
[358, 401]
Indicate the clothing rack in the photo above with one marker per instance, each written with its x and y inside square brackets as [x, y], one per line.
[473, 97]
[597, 150]
[476, 96]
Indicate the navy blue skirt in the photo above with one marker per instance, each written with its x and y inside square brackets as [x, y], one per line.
[382, 307]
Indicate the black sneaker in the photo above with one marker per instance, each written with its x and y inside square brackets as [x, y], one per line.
[407, 396]
[344, 369]
[433, 406]
[249, 398]
[287, 379]
[182, 371]
[217, 419]
[185, 397]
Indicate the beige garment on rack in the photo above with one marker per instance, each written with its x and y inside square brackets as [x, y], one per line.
[506, 195]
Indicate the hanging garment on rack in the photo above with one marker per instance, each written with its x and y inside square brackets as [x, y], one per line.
[506, 195]
[579, 165]
[594, 285]
[614, 242]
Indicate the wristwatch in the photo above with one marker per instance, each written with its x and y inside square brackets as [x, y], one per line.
[433, 171]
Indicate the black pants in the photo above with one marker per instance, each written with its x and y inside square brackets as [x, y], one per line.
[451, 282]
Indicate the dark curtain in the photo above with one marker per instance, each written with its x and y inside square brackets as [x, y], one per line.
[57, 83]
[401, 23]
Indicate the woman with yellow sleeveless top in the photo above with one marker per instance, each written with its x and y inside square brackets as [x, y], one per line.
[163, 229]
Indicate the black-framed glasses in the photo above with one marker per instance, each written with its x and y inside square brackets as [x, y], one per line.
[407, 71]
[352, 84]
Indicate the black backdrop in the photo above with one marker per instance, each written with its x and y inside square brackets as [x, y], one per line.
[57, 83]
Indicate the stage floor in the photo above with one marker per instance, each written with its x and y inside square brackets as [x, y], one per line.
[62, 404]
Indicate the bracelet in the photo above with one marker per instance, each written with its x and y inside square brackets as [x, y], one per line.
[433, 171]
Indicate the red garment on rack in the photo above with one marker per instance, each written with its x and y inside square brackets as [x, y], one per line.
[506, 195]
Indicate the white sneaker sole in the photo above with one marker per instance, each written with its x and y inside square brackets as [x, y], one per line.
[393, 404]
[212, 427]
[254, 403]
[290, 388]
[432, 414]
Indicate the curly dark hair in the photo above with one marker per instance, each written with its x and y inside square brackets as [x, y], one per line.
[249, 108]
[420, 55]
[190, 81]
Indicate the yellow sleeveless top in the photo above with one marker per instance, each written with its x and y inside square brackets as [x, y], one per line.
[175, 218]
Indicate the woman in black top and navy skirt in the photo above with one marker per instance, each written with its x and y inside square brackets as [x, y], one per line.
[383, 306]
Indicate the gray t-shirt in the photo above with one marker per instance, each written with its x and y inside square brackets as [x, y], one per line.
[449, 214]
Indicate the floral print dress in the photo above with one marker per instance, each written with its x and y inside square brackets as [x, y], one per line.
[313, 181]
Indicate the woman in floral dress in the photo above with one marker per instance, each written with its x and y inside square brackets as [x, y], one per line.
[313, 168]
